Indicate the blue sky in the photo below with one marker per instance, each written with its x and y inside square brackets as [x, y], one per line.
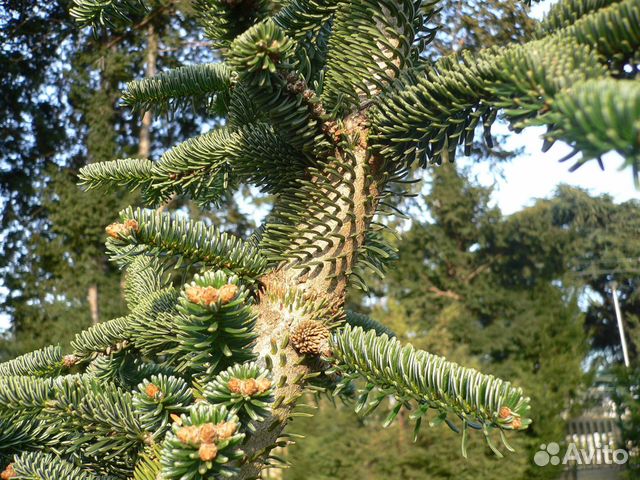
[535, 174]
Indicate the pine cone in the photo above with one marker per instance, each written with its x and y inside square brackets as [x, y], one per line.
[310, 337]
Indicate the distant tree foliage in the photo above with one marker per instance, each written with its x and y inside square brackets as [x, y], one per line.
[479, 288]
[60, 111]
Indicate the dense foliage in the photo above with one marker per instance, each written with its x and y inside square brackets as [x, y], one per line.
[60, 111]
[326, 120]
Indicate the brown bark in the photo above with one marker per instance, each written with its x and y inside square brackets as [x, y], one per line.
[92, 298]
[144, 147]
[445, 293]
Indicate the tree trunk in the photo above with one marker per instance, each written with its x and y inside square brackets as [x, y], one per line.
[92, 298]
[144, 147]
[353, 184]
[144, 139]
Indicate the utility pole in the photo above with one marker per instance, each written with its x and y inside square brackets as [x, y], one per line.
[623, 341]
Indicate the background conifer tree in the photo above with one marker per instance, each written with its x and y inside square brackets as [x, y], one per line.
[61, 87]
[479, 288]
[326, 105]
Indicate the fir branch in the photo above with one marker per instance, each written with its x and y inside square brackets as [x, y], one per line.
[242, 109]
[153, 323]
[99, 422]
[300, 18]
[264, 158]
[443, 106]
[164, 235]
[598, 116]
[46, 362]
[130, 173]
[159, 397]
[204, 167]
[215, 328]
[263, 56]
[613, 31]
[566, 12]
[113, 14]
[361, 66]
[144, 276]
[224, 20]
[148, 467]
[105, 337]
[528, 78]
[198, 167]
[18, 433]
[46, 466]
[24, 396]
[432, 381]
[244, 389]
[205, 441]
[171, 90]
[117, 368]
[373, 258]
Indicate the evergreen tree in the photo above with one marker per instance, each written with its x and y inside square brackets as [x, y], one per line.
[53, 265]
[626, 394]
[606, 253]
[32, 128]
[326, 104]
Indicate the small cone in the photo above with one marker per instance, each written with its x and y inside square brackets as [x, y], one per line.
[115, 230]
[152, 390]
[208, 452]
[505, 412]
[226, 430]
[69, 361]
[228, 293]
[118, 230]
[264, 384]
[8, 473]
[210, 295]
[310, 337]
[131, 225]
[208, 433]
[248, 387]
[205, 296]
[189, 435]
[234, 385]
